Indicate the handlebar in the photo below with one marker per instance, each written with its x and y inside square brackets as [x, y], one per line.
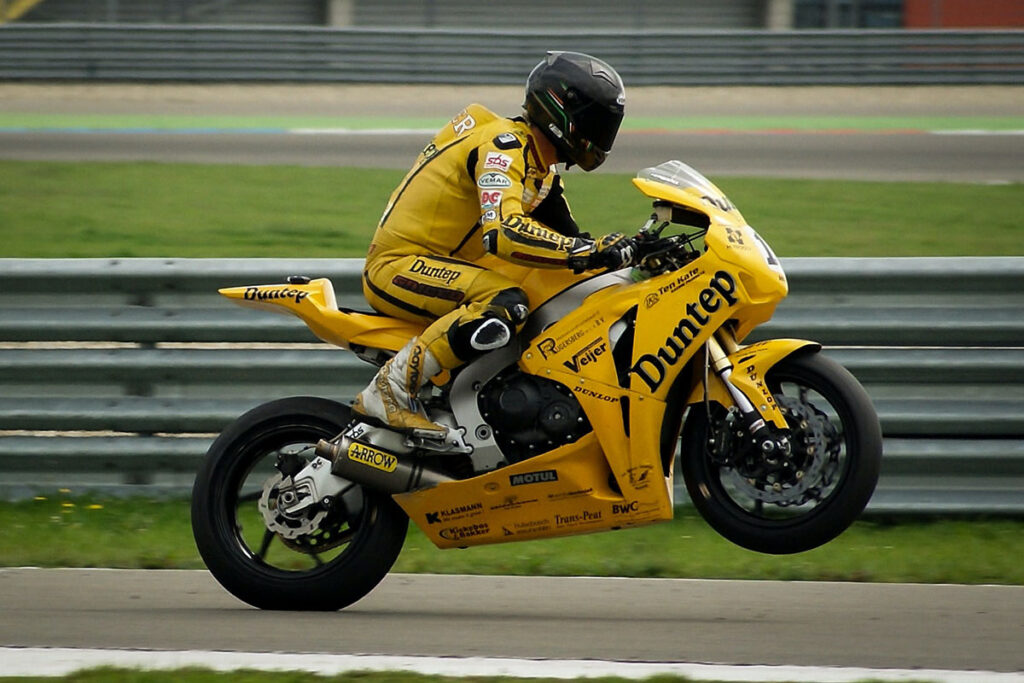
[656, 254]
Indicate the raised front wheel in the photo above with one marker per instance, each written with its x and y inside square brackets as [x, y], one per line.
[797, 501]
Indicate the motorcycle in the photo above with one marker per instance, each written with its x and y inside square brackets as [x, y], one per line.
[573, 428]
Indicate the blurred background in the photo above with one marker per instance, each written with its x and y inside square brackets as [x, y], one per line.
[528, 14]
[152, 151]
[652, 42]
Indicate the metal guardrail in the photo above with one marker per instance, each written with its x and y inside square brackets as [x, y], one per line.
[146, 52]
[116, 373]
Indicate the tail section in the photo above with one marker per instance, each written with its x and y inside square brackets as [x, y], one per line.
[314, 302]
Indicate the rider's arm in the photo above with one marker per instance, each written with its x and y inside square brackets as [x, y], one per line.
[508, 231]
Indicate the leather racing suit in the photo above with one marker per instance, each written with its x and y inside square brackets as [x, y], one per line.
[480, 186]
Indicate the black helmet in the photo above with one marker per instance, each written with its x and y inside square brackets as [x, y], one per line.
[577, 101]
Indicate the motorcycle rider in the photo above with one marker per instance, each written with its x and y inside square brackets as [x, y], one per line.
[486, 184]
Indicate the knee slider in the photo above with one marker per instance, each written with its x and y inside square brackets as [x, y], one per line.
[486, 333]
[506, 311]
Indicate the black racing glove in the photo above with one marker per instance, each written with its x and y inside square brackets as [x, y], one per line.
[612, 251]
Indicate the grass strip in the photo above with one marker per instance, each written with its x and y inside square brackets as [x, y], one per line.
[193, 675]
[90, 209]
[69, 531]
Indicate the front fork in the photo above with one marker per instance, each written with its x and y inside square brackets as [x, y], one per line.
[763, 421]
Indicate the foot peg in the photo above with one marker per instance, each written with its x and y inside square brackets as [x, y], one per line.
[453, 442]
[373, 432]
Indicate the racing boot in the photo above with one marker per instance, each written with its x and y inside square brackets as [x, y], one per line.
[391, 396]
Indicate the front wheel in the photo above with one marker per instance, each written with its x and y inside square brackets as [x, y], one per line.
[325, 558]
[792, 503]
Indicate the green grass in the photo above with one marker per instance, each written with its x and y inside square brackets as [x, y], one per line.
[50, 210]
[65, 531]
[114, 675]
[195, 675]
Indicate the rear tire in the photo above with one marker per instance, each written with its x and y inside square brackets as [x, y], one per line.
[333, 566]
[811, 502]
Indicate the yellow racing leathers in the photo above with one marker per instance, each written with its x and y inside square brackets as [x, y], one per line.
[481, 185]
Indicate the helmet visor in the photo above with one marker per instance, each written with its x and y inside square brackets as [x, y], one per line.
[598, 125]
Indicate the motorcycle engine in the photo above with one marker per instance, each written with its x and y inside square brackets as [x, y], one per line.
[530, 415]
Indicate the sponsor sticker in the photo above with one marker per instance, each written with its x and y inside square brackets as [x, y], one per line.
[685, 278]
[421, 267]
[719, 203]
[640, 476]
[429, 151]
[458, 533]
[455, 512]
[273, 294]
[371, 457]
[502, 162]
[513, 503]
[463, 122]
[578, 518]
[533, 477]
[719, 293]
[625, 508]
[536, 526]
[587, 355]
[570, 494]
[549, 346]
[490, 199]
[595, 394]
[493, 179]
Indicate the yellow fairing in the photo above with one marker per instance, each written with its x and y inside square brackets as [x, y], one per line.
[732, 243]
[561, 493]
[712, 203]
[316, 305]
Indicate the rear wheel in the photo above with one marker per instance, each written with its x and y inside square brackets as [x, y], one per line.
[791, 503]
[322, 559]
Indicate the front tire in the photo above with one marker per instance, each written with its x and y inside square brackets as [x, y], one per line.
[824, 485]
[352, 546]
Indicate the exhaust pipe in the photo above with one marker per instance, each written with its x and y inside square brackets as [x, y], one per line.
[378, 470]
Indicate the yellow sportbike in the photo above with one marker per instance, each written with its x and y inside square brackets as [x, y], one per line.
[574, 428]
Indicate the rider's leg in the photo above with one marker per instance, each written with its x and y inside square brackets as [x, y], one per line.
[491, 310]
[391, 395]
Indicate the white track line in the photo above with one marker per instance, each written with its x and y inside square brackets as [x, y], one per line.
[32, 661]
[977, 131]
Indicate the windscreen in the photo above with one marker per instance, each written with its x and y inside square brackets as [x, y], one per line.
[678, 174]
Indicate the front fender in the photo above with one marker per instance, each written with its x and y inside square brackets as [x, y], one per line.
[750, 365]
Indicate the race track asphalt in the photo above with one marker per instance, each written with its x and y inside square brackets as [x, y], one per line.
[661, 620]
[851, 156]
